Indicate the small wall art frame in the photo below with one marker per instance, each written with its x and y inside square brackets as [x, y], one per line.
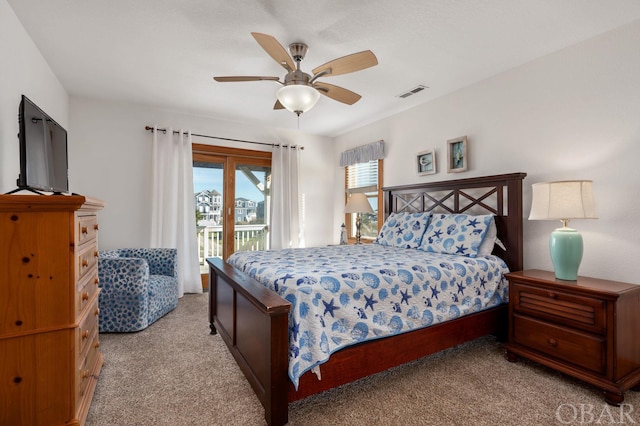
[457, 155]
[426, 162]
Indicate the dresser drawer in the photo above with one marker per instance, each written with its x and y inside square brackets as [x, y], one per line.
[86, 229]
[582, 349]
[86, 329]
[87, 259]
[88, 287]
[569, 309]
[86, 368]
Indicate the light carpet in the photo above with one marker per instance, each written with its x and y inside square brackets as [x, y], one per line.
[176, 373]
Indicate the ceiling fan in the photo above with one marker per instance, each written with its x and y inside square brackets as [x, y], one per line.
[300, 91]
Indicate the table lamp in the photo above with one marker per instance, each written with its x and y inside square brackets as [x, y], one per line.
[358, 203]
[564, 200]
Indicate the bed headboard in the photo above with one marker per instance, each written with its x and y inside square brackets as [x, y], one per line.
[500, 195]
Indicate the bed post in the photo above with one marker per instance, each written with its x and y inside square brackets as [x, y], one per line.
[515, 258]
[212, 302]
[254, 324]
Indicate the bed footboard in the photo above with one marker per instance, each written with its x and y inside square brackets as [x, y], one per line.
[259, 341]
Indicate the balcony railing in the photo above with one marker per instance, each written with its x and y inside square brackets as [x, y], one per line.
[246, 238]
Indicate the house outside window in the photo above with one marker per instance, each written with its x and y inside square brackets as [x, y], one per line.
[209, 204]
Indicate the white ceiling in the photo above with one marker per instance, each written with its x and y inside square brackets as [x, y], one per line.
[164, 53]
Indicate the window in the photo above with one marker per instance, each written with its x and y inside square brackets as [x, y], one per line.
[366, 178]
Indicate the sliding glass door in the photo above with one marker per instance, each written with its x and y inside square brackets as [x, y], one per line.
[208, 184]
[252, 202]
[232, 200]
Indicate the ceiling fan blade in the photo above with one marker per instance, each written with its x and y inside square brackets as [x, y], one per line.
[278, 105]
[275, 50]
[346, 64]
[244, 78]
[337, 93]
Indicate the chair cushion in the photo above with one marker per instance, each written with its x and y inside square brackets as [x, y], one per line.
[163, 296]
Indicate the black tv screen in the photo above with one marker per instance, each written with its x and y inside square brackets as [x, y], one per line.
[43, 150]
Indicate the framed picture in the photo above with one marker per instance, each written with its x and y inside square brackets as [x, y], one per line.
[458, 159]
[426, 162]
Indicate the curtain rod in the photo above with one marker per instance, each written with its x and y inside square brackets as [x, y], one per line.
[149, 128]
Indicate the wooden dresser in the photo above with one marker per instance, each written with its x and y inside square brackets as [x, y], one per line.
[49, 349]
[588, 329]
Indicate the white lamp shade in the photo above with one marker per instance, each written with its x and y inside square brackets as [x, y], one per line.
[298, 98]
[358, 203]
[571, 199]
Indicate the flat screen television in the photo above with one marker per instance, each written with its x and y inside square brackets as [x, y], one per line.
[43, 151]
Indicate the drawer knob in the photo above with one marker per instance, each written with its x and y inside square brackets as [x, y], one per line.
[95, 226]
[95, 254]
[552, 295]
[96, 312]
[553, 342]
[85, 263]
[85, 296]
[84, 230]
[96, 345]
[96, 281]
[85, 374]
[85, 334]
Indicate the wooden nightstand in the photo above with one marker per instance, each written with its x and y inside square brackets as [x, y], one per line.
[588, 329]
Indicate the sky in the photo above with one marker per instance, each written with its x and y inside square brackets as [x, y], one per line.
[209, 178]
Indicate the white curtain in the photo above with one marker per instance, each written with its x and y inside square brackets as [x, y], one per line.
[173, 221]
[286, 221]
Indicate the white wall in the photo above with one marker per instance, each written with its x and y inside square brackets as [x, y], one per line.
[109, 150]
[23, 71]
[110, 159]
[574, 114]
[570, 115]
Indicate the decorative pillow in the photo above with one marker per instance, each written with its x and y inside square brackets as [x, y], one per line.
[459, 234]
[489, 240]
[403, 229]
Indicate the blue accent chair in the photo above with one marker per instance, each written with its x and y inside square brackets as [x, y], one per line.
[138, 286]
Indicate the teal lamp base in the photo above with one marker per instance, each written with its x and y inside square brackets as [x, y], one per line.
[565, 248]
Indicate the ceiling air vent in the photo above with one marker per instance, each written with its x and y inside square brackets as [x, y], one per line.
[413, 91]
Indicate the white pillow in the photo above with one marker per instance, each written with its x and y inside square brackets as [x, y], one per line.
[403, 229]
[489, 240]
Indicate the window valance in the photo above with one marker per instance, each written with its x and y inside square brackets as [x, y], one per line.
[362, 154]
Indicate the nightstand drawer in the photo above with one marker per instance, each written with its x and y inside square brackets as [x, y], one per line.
[585, 350]
[568, 309]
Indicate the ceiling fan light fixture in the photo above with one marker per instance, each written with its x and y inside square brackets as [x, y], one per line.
[298, 98]
[300, 91]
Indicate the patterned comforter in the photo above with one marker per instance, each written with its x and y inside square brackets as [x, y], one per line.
[342, 295]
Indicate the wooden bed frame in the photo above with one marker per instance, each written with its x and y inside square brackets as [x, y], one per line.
[253, 321]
